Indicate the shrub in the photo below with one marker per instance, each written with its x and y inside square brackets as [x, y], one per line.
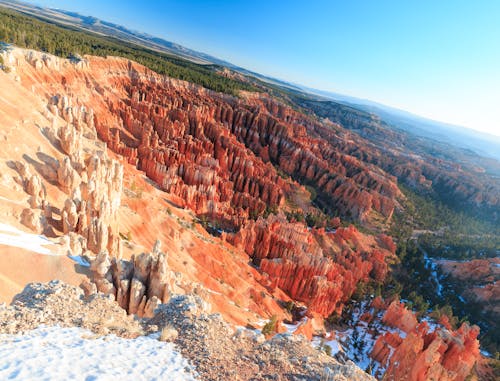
[290, 305]
[168, 334]
[325, 347]
[2, 65]
[270, 326]
[312, 192]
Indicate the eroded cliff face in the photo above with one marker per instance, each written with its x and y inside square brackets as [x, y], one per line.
[481, 278]
[220, 154]
[181, 138]
[411, 161]
[93, 184]
[59, 180]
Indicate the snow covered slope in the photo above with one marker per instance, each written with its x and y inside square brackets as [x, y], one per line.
[54, 353]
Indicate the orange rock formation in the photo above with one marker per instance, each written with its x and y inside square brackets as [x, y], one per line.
[420, 353]
[314, 266]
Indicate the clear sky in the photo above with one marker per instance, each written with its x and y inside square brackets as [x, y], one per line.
[438, 59]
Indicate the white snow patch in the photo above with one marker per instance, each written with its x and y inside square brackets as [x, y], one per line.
[291, 328]
[485, 353]
[432, 265]
[334, 345]
[213, 292]
[358, 341]
[80, 260]
[55, 353]
[12, 201]
[11, 236]
[433, 326]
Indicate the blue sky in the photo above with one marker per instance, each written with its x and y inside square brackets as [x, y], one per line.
[438, 59]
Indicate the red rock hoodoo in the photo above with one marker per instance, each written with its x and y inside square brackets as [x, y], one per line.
[215, 151]
[420, 353]
[314, 266]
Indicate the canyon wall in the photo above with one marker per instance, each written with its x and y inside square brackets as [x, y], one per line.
[91, 181]
[412, 160]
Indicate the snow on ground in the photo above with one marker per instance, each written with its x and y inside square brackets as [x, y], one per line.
[334, 345]
[79, 260]
[10, 236]
[55, 353]
[12, 201]
[358, 341]
[485, 353]
[317, 342]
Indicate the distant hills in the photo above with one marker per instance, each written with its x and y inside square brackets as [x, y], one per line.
[95, 25]
[480, 142]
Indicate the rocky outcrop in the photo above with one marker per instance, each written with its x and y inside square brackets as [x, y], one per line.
[478, 271]
[67, 176]
[399, 317]
[222, 353]
[214, 347]
[138, 285]
[418, 351]
[35, 189]
[70, 139]
[92, 181]
[317, 267]
[57, 303]
[33, 220]
[93, 203]
[482, 277]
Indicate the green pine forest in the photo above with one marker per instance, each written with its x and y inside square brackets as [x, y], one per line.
[28, 32]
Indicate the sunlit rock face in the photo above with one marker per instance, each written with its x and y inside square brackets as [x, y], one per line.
[317, 267]
[138, 285]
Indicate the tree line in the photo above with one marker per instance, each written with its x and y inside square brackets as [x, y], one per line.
[29, 32]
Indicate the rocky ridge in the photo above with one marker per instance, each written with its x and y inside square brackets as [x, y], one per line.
[57, 303]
